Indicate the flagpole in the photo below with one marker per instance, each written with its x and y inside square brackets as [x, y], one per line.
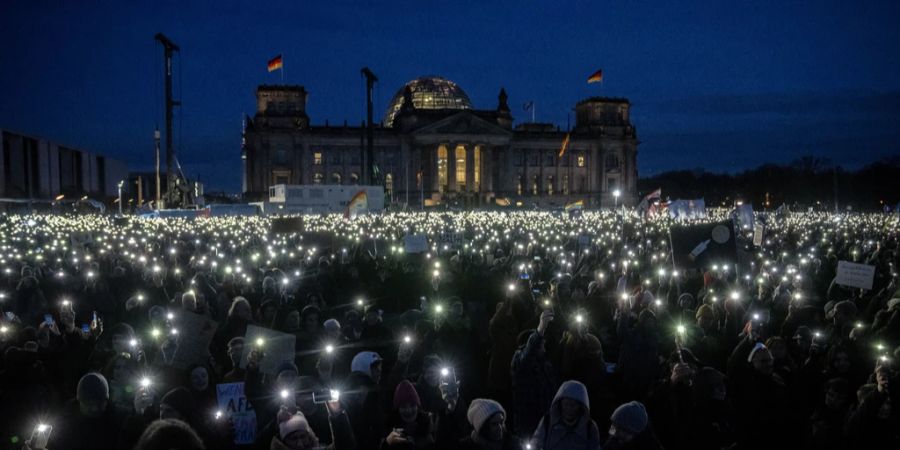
[533, 107]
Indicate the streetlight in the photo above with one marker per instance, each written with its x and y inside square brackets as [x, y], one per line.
[121, 183]
[616, 194]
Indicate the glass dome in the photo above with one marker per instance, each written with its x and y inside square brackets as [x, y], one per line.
[429, 93]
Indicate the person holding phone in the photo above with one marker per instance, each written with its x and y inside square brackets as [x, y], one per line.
[411, 427]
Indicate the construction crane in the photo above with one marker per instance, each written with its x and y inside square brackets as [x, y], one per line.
[177, 191]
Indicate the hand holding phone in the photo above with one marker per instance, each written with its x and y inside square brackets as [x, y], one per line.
[40, 436]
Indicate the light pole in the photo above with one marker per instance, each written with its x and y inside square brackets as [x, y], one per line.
[616, 194]
[121, 183]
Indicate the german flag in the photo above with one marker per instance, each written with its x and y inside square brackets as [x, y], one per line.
[565, 145]
[596, 77]
[357, 205]
[276, 63]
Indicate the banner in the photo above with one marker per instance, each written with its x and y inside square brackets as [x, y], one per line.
[277, 347]
[701, 246]
[233, 404]
[687, 209]
[855, 275]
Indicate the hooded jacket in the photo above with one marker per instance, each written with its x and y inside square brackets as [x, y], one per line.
[553, 433]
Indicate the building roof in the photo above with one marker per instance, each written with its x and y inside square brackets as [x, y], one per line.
[605, 100]
[428, 92]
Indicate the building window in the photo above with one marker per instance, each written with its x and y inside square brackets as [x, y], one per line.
[535, 185]
[580, 160]
[318, 178]
[549, 160]
[520, 185]
[334, 158]
[461, 167]
[317, 158]
[612, 162]
[611, 184]
[281, 176]
[535, 159]
[442, 168]
[477, 163]
[565, 186]
[550, 181]
[336, 178]
[389, 184]
[354, 178]
[518, 159]
[581, 184]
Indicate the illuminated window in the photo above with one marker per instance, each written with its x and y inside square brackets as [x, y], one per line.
[318, 178]
[442, 168]
[389, 183]
[565, 186]
[535, 185]
[461, 167]
[550, 180]
[519, 185]
[281, 176]
[336, 178]
[580, 160]
[317, 158]
[477, 163]
[354, 178]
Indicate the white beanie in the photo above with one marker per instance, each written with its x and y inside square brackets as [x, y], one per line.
[480, 410]
[332, 324]
[363, 361]
[297, 422]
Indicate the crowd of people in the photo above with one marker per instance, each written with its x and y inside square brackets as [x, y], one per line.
[462, 330]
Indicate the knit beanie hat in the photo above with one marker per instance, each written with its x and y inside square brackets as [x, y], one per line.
[631, 417]
[406, 394]
[297, 422]
[480, 410]
[332, 324]
[181, 400]
[363, 361]
[92, 387]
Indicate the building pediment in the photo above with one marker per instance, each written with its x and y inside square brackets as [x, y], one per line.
[464, 122]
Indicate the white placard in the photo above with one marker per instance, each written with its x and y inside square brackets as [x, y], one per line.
[233, 403]
[415, 243]
[855, 275]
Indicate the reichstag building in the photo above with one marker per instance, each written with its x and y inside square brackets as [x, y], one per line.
[434, 147]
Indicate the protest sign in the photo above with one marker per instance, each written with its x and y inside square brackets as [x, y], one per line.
[855, 275]
[287, 225]
[700, 246]
[233, 404]
[451, 239]
[758, 231]
[277, 347]
[195, 333]
[415, 243]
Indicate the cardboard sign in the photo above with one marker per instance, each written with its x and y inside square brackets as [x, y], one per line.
[195, 333]
[278, 347]
[701, 246]
[415, 243]
[234, 405]
[758, 232]
[855, 275]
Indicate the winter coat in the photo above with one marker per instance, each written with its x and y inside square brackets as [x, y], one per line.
[534, 384]
[364, 409]
[470, 443]
[553, 433]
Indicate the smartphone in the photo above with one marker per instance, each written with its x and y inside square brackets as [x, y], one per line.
[95, 316]
[48, 319]
[40, 436]
[10, 316]
[324, 396]
[85, 328]
[400, 431]
[524, 276]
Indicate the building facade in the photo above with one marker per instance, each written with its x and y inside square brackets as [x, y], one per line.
[433, 147]
[38, 169]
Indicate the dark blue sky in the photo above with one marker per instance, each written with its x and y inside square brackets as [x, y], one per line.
[723, 85]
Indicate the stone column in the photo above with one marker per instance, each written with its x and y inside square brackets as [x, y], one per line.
[470, 168]
[451, 168]
[591, 169]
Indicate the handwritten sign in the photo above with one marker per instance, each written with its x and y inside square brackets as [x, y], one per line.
[195, 333]
[855, 275]
[277, 347]
[234, 405]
